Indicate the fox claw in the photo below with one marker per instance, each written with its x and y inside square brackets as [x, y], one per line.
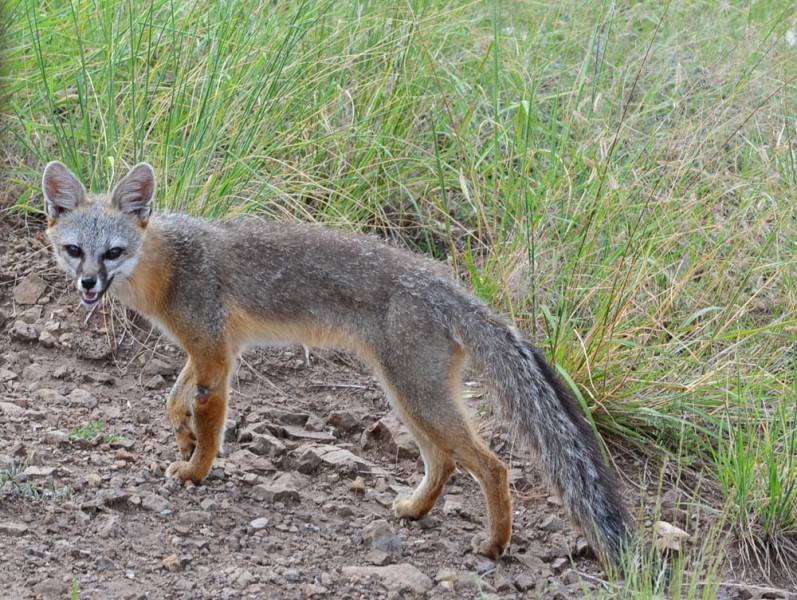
[181, 470]
[484, 545]
[403, 508]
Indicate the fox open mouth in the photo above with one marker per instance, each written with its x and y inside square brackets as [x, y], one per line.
[90, 298]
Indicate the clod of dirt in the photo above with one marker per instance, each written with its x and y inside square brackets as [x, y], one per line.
[91, 348]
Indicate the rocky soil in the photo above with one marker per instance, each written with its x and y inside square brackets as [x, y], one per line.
[298, 506]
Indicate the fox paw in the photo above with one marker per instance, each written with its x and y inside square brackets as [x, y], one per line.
[183, 471]
[404, 508]
[486, 546]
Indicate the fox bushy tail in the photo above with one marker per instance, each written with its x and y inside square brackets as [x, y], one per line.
[544, 416]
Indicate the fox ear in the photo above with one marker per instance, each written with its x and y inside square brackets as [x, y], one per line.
[136, 192]
[63, 191]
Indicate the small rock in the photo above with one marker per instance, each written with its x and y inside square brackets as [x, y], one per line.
[47, 339]
[106, 497]
[283, 489]
[292, 575]
[155, 382]
[266, 445]
[194, 517]
[6, 375]
[92, 348]
[250, 463]
[100, 377]
[259, 523]
[394, 577]
[501, 582]
[34, 372]
[50, 588]
[155, 503]
[310, 457]
[390, 435]
[10, 409]
[558, 565]
[82, 398]
[173, 563]
[552, 523]
[56, 438]
[109, 527]
[13, 529]
[24, 332]
[524, 582]
[380, 536]
[296, 432]
[29, 289]
[344, 421]
[452, 505]
[314, 423]
[31, 315]
[358, 485]
[35, 473]
[243, 578]
[377, 557]
[124, 455]
[671, 538]
[156, 366]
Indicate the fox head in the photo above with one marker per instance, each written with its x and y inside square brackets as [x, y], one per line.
[97, 239]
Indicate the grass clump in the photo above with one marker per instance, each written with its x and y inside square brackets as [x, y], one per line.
[93, 431]
[13, 483]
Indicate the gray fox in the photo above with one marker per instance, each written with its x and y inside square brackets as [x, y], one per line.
[216, 287]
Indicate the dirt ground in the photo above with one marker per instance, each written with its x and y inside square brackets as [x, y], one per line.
[298, 506]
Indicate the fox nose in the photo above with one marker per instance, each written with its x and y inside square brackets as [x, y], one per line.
[88, 282]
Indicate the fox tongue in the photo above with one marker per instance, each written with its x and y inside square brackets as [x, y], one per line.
[90, 296]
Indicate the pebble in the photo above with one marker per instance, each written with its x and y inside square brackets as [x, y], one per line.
[56, 438]
[47, 339]
[155, 382]
[282, 490]
[50, 588]
[259, 523]
[394, 577]
[13, 529]
[391, 437]
[29, 289]
[24, 332]
[155, 503]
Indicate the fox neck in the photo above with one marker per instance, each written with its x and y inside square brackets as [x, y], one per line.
[145, 289]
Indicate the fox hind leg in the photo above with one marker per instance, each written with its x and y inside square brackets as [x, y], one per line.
[430, 404]
[438, 468]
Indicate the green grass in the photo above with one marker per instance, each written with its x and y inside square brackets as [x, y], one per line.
[615, 176]
[10, 484]
[92, 431]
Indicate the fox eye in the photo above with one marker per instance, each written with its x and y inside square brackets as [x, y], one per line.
[113, 253]
[73, 251]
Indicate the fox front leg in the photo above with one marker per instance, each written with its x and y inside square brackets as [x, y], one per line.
[209, 409]
[180, 411]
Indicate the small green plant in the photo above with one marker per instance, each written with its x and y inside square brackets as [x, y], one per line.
[756, 463]
[11, 485]
[92, 431]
